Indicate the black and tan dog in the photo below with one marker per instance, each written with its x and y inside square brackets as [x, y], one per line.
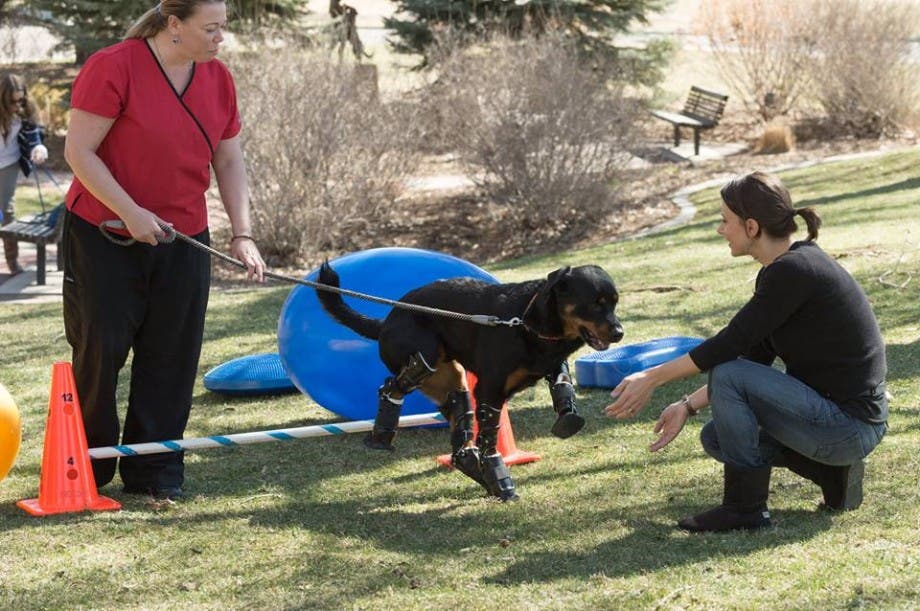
[571, 307]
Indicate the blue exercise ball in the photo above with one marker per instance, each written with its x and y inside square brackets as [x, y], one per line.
[332, 364]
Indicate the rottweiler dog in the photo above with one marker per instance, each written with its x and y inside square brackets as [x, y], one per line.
[431, 353]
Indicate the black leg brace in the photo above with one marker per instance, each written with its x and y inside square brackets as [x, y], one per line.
[459, 412]
[568, 422]
[497, 477]
[390, 401]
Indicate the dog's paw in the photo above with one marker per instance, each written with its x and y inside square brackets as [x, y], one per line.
[567, 424]
[498, 478]
[507, 496]
[376, 444]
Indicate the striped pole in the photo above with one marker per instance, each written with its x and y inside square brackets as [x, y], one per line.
[241, 439]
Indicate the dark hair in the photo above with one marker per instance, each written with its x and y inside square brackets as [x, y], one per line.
[9, 85]
[764, 198]
[154, 21]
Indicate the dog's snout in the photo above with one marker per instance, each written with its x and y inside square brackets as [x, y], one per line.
[616, 331]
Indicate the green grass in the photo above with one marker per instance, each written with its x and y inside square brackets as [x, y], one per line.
[28, 202]
[324, 524]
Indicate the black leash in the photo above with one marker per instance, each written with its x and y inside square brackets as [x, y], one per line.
[171, 235]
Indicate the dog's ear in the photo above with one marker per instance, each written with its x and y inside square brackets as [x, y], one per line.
[542, 314]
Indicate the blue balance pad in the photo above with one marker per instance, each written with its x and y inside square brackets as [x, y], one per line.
[607, 368]
[257, 374]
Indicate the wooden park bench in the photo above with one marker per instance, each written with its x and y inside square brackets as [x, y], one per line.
[40, 229]
[702, 110]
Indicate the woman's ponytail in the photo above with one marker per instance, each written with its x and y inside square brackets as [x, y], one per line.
[149, 24]
[155, 20]
[812, 221]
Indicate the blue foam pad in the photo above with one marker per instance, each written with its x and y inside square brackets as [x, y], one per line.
[256, 374]
[335, 366]
[607, 368]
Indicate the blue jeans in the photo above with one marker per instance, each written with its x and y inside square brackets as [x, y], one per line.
[758, 410]
[8, 177]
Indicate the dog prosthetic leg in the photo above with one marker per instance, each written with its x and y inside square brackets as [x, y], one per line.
[497, 477]
[568, 422]
[387, 421]
[390, 401]
[459, 414]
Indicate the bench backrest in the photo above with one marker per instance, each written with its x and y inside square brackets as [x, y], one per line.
[705, 106]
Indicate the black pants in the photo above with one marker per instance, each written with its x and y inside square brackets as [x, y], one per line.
[149, 299]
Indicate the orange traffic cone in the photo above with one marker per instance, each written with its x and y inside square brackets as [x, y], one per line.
[505, 446]
[67, 482]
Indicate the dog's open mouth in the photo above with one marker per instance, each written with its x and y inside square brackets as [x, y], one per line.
[592, 340]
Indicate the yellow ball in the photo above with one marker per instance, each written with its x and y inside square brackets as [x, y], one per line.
[10, 432]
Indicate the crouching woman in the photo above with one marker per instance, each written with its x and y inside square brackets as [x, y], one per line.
[819, 418]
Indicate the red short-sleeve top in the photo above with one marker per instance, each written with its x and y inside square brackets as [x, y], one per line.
[162, 142]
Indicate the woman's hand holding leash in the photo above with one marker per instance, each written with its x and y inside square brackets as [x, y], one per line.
[245, 252]
[145, 226]
[39, 154]
[243, 248]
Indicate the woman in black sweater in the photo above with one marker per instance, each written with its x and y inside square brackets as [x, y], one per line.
[824, 414]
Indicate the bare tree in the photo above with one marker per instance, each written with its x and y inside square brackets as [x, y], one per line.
[543, 133]
[327, 158]
[865, 79]
[762, 49]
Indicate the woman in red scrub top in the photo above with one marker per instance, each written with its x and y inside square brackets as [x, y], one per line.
[150, 117]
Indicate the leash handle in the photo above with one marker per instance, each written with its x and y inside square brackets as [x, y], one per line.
[105, 226]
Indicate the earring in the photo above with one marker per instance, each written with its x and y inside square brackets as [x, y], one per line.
[175, 40]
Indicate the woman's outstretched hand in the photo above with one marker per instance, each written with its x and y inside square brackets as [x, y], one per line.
[631, 395]
[670, 424]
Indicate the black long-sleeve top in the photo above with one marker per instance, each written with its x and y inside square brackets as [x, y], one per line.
[810, 312]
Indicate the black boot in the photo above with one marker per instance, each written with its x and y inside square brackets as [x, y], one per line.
[744, 503]
[841, 486]
[385, 424]
[11, 250]
[568, 421]
[498, 478]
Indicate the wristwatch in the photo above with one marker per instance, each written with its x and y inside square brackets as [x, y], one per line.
[689, 406]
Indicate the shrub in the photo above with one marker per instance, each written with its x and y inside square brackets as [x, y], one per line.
[864, 78]
[541, 132]
[762, 49]
[777, 137]
[326, 157]
[53, 106]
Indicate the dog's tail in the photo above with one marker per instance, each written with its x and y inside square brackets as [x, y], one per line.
[339, 310]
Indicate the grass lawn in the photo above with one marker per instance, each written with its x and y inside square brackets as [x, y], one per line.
[322, 523]
[29, 200]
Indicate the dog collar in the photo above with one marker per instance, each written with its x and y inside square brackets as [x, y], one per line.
[531, 329]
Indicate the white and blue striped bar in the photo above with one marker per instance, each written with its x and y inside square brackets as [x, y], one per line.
[241, 439]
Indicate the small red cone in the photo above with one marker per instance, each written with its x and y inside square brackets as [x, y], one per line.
[67, 483]
[505, 446]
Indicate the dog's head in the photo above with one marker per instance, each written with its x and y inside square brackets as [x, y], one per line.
[577, 303]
